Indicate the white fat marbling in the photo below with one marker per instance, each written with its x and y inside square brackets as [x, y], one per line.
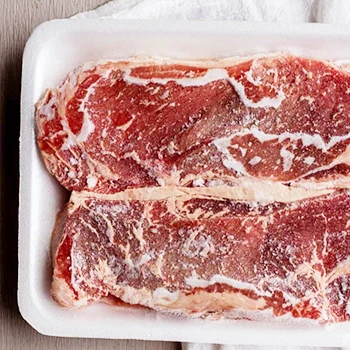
[92, 181]
[201, 283]
[255, 160]
[228, 161]
[162, 296]
[287, 157]
[309, 160]
[210, 76]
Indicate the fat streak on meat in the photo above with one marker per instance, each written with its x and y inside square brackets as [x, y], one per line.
[118, 125]
[203, 187]
[198, 255]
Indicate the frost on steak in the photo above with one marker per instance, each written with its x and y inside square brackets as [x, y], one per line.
[203, 188]
[196, 256]
[118, 125]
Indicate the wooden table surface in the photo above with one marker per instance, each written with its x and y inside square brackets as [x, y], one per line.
[18, 18]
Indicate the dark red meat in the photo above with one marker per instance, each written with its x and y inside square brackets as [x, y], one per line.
[209, 187]
[196, 256]
[124, 125]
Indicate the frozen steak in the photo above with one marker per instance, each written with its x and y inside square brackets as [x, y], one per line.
[198, 255]
[203, 188]
[159, 122]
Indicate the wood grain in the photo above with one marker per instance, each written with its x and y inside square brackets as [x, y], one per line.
[17, 20]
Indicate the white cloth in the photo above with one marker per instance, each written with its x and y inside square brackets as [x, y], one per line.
[328, 11]
[293, 11]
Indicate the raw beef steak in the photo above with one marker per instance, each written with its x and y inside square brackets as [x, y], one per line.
[203, 187]
[197, 255]
[117, 125]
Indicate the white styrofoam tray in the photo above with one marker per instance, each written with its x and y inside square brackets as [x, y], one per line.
[52, 51]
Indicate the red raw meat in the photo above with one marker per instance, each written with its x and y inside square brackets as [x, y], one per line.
[118, 125]
[195, 256]
[203, 188]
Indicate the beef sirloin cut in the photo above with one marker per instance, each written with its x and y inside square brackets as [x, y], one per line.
[117, 125]
[203, 187]
[193, 255]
